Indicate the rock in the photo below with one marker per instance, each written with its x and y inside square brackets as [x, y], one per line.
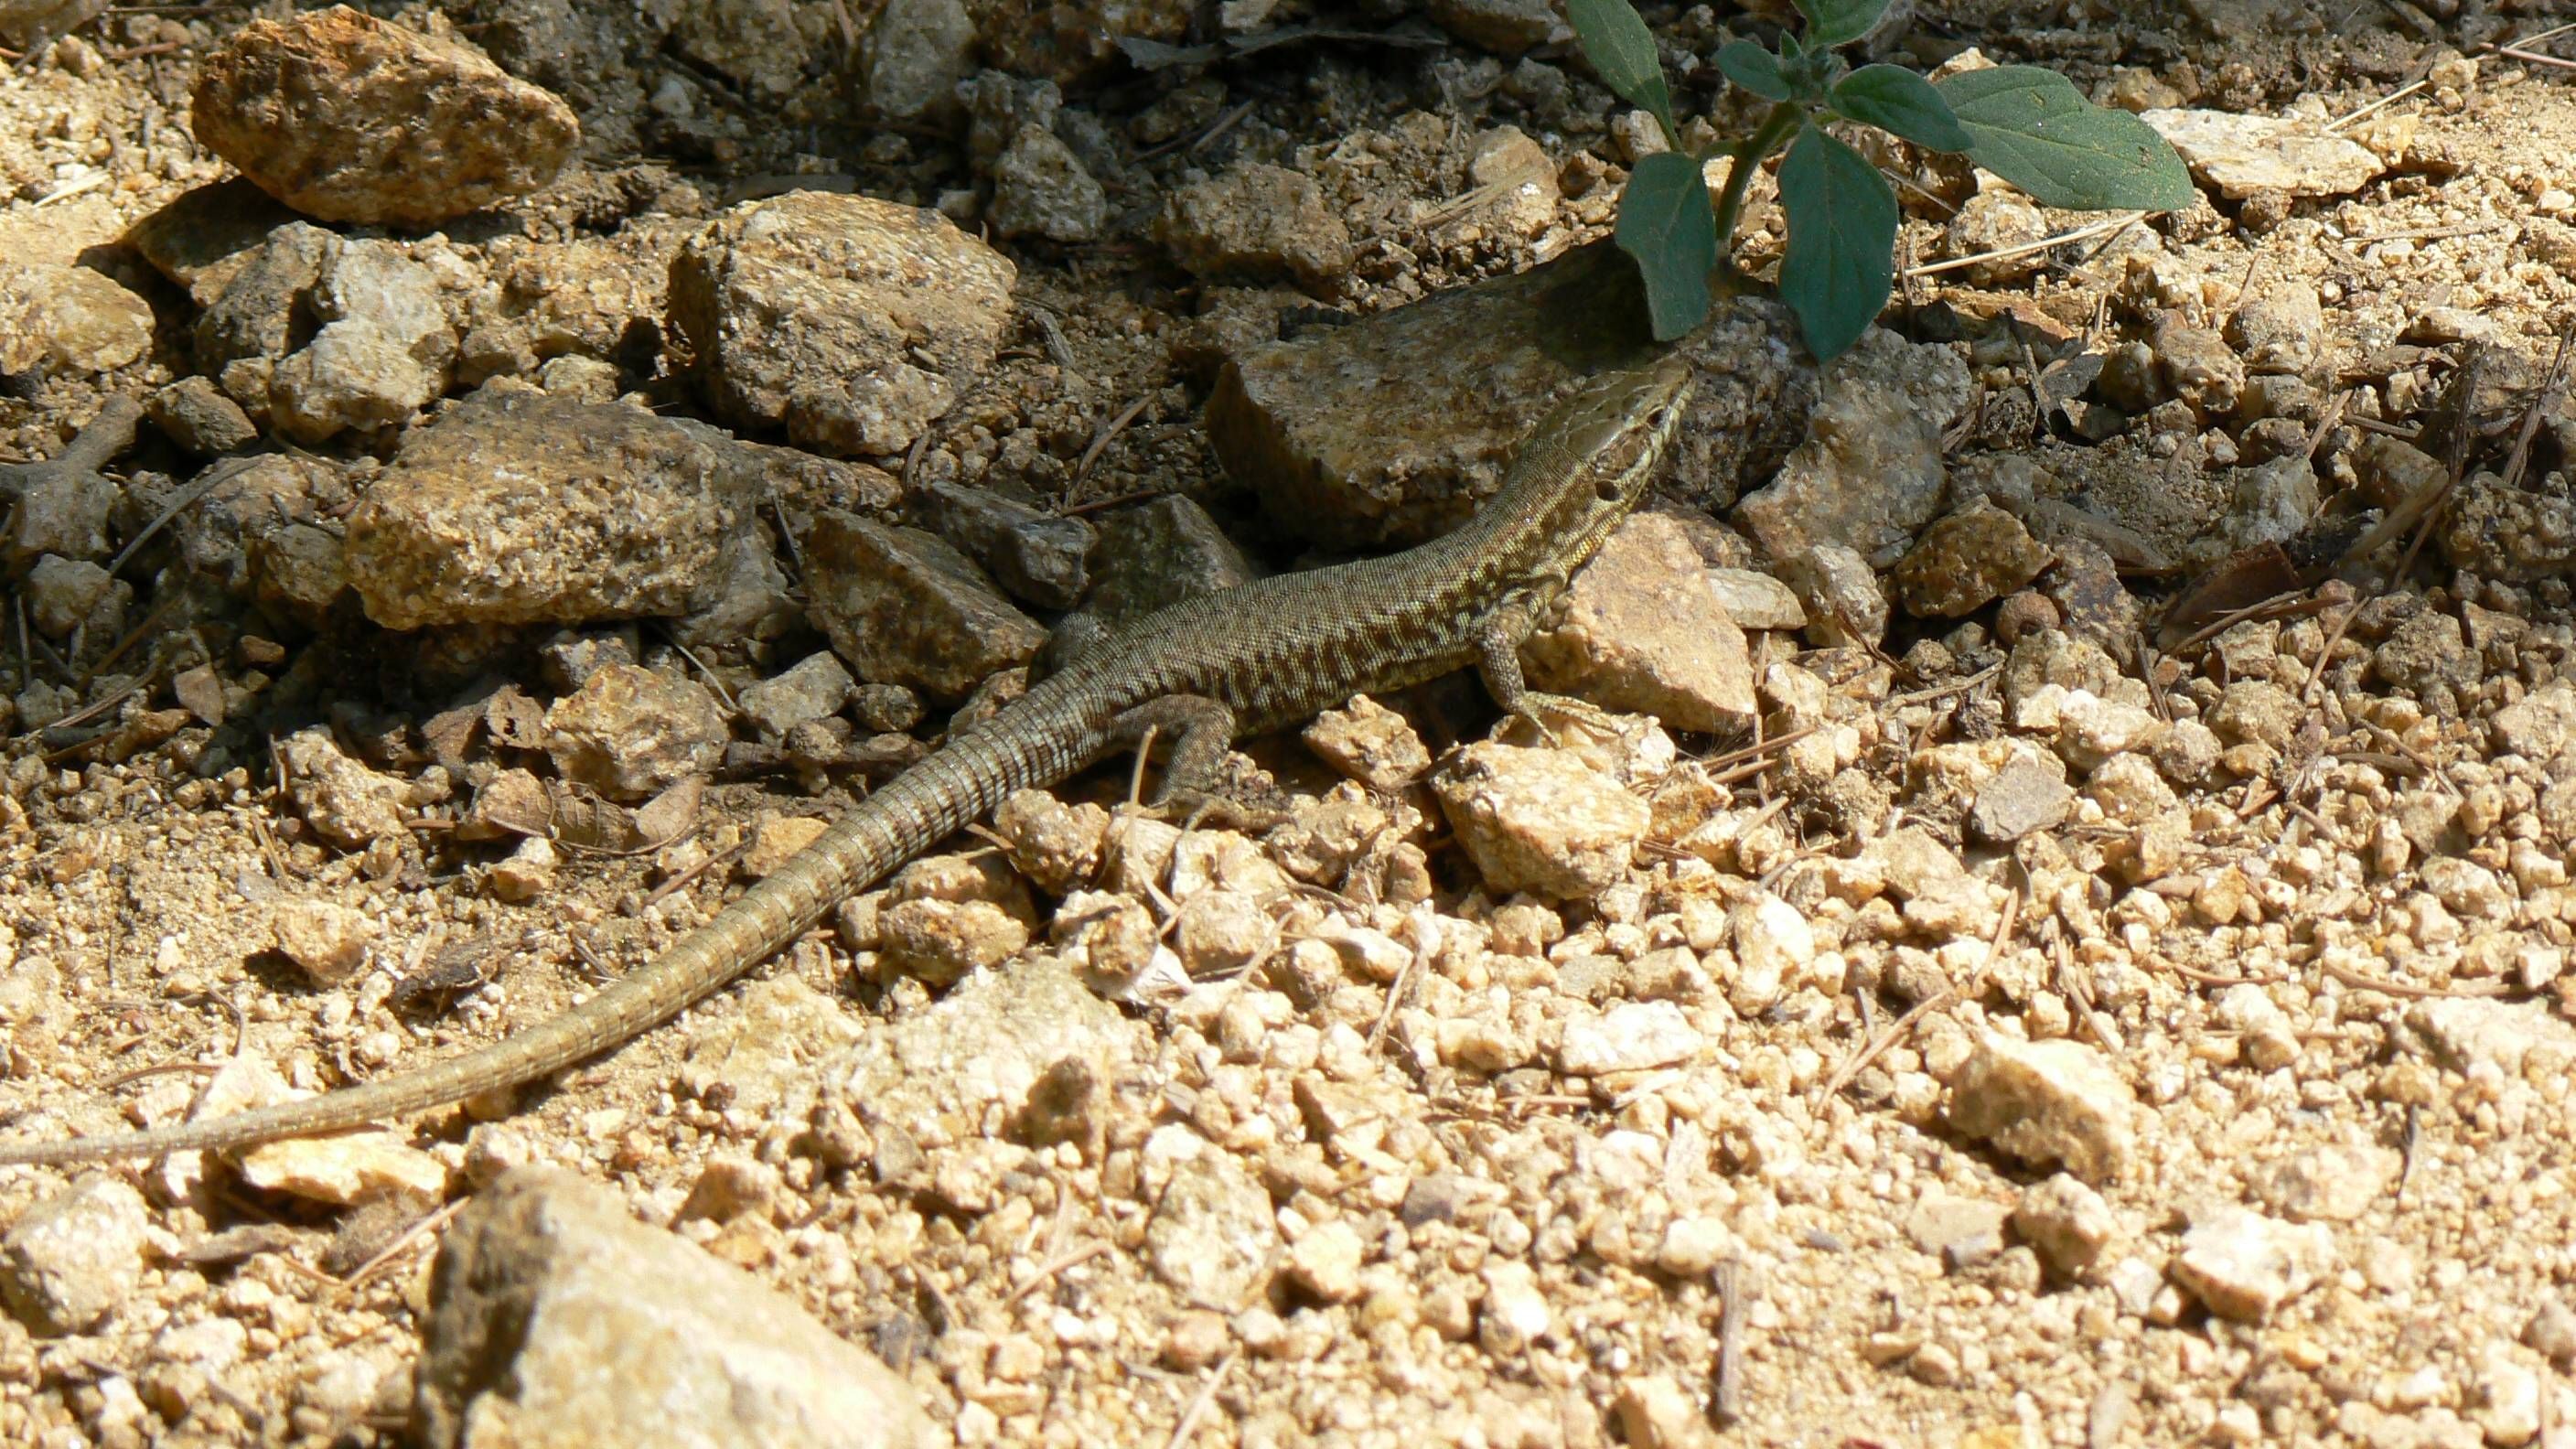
[345, 1168]
[2477, 1034]
[1256, 220]
[815, 313]
[62, 504]
[915, 53]
[2280, 329]
[1370, 743]
[26, 23]
[1755, 600]
[2271, 502]
[1039, 557]
[1641, 632]
[1041, 189]
[1072, 41]
[383, 350]
[2197, 366]
[2540, 726]
[2329, 1182]
[2023, 796]
[2510, 535]
[1968, 560]
[1539, 820]
[2243, 155]
[2242, 1265]
[350, 376]
[1325, 1261]
[945, 916]
[1774, 946]
[526, 873]
[1963, 1232]
[348, 118]
[1147, 558]
[777, 840]
[1632, 1036]
[2069, 1223]
[2504, 1398]
[1838, 591]
[2265, 1036]
[2049, 1103]
[630, 732]
[1869, 473]
[524, 509]
[902, 607]
[1657, 1413]
[1505, 27]
[757, 47]
[764, 1052]
[815, 688]
[2551, 1332]
[1520, 176]
[1057, 846]
[1212, 1233]
[2427, 656]
[1997, 221]
[344, 801]
[327, 939]
[1515, 1313]
[68, 320]
[732, 1187]
[1392, 430]
[70, 1259]
[64, 594]
[195, 414]
[548, 1302]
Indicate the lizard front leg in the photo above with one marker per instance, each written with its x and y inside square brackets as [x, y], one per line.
[1498, 662]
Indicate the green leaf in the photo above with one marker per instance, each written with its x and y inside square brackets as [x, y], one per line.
[1615, 40]
[1842, 241]
[1665, 223]
[2035, 130]
[1755, 69]
[1838, 22]
[1898, 101]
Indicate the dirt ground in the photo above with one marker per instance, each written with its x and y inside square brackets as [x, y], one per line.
[2327, 1049]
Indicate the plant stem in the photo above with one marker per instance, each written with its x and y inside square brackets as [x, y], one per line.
[1776, 128]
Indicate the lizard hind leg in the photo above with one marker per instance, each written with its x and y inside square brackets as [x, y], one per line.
[1194, 781]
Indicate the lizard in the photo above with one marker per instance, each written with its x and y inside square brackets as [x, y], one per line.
[1200, 673]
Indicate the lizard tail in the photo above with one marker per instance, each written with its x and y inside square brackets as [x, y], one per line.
[912, 812]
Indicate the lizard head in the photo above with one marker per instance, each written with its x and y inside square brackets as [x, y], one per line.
[1610, 437]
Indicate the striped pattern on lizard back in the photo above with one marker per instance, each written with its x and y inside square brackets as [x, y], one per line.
[1250, 659]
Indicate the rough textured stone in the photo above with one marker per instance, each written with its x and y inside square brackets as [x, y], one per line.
[1869, 474]
[549, 1303]
[903, 607]
[1256, 220]
[67, 1261]
[347, 118]
[630, 732]
[1641, 631]
[1968, 560]
[2052, 1103]
[914, 55]
[849, 322]
[527, 509]
[2243, 155]
[1540, 820]
[68, 320]
[25, 22]
[1394, 429]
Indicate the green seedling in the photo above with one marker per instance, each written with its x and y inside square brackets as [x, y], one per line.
[2024, 123]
